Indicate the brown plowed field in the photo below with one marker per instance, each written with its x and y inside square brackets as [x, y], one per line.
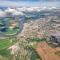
[46, 52]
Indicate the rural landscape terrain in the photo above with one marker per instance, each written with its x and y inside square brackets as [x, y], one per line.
[30, 33]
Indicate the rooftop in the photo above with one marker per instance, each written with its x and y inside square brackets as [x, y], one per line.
[54, 33]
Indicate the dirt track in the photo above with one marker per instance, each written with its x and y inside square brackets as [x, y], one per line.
[46, 52]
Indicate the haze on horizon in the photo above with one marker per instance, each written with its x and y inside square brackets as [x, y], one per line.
[17, 3]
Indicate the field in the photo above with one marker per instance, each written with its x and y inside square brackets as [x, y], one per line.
[11, 31]
[4, 45]
[9, 26]
[47, 52]
[33, 46]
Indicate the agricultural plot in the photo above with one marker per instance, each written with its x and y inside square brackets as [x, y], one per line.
[4, 45]
[9, 26]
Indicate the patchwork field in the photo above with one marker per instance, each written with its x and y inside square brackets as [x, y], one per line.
[4, 45]
[47, 52]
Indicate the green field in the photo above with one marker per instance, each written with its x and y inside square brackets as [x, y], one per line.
[1, 23]
[5, 26]
[36, 39]
[4, 43]
[11, 31]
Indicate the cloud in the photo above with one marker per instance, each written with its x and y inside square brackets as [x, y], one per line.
[2, 13]
[17, 13]
[14, 11]
[22, 11]
[9, 10]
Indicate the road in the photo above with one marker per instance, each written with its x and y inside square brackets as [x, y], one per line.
[46, 52]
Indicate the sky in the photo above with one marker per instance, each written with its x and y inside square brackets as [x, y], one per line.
[29, 3]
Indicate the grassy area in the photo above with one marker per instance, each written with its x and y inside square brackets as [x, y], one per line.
[1, 23]
[32, 48]
[33, 41]
[11, 31]
[4, 43]
[5, 53]
[36, 39]
[9, 21]
[34, 55]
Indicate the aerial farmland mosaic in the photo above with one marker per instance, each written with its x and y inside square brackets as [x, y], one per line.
[29, 30]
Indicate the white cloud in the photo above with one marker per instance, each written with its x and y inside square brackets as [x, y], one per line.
[13, 11]
[9, 10]
[2, 13]
[29, 9]
[19, 11]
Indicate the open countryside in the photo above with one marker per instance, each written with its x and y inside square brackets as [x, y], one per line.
[29, 30]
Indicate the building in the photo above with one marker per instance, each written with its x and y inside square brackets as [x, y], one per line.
[54, 37]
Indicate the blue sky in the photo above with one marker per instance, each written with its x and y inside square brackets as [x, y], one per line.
[29, 2]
